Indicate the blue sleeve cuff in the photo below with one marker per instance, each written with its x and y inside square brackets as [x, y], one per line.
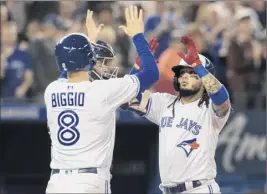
[148, 73]
[201, 70]
[220, 96]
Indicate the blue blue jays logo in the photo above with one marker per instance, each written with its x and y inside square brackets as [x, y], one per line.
[188, 146]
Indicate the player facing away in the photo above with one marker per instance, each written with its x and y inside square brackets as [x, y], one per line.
[81, 114]
[189, 124]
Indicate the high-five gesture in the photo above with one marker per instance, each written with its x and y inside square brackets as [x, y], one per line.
[92, 29]
[134, 21]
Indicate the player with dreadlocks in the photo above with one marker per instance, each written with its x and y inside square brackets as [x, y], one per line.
[189, 124]
[184, 92]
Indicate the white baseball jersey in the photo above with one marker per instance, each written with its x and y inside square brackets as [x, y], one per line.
[187, 141]
[81, 120]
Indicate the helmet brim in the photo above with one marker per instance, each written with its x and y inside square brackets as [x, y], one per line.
[176, 69]
[205, 62]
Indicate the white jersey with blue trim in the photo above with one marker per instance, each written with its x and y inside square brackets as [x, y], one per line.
[81, 120]
[187, 141]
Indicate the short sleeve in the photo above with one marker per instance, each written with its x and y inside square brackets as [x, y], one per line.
[218, 122]
[155, 106]
[121, 90]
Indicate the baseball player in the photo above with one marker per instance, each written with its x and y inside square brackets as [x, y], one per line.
[189, 124]
[81, 114]
[104, 53]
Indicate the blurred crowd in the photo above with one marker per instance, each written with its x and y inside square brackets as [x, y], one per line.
[232, 34]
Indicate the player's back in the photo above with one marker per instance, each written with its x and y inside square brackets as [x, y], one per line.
[81, 124]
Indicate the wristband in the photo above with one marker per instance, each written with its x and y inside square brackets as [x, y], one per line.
[201, 70]
[220, 96]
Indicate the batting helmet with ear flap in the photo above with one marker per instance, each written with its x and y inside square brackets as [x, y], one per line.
[74, 52]
[176, 69]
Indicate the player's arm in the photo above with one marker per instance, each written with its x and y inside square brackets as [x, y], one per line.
[92, 29]
[216, 91]
[139, 41]
[153, 45]
[123, 90]
[135, 104]
[148, 73]
[140, 107]
[151, 105]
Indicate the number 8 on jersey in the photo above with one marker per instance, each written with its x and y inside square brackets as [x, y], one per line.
[68, 134]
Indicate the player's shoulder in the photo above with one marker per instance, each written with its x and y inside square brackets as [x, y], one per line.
[101, 83]
[51, 87]
[127, 79]
[162, 97]
[56, 83]
[53, 84]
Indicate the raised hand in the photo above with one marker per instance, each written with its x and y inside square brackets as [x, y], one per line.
[92, 29]
[134, 21]
[153, 44]
[191, 57]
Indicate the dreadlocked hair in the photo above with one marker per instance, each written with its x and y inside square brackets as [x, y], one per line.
[204, 99]
[173, 103]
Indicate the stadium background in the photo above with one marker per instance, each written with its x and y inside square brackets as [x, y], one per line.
[231, 33]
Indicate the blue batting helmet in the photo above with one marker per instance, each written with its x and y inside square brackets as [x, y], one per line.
[74, 52]
[176, 69]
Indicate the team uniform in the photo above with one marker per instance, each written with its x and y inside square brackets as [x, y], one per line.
[81, 121]
[187, 143]
[81, 116]
[188, 134]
